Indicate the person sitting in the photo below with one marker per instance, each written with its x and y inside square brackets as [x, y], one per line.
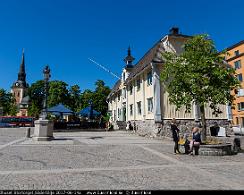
[196, 140]
[127, 126]
[186, 143]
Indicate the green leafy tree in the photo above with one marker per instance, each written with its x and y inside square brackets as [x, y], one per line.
[85, 97]
[58, 93]
[36, 94]
[74, 98]
[198, 75]
[100, 95]
[7, 103]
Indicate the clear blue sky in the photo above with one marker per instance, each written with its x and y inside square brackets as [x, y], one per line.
[65, 33]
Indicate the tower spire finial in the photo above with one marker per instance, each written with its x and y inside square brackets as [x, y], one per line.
[22, 74]
[129, 58]
[129, 51]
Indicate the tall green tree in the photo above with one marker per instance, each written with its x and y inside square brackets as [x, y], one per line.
[58, 93]
[100, 95]
[86, 96]
[36, 94]
[7, 103]
[74, 98]
[198, 75]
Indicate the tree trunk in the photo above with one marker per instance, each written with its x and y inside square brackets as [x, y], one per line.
[204, 125]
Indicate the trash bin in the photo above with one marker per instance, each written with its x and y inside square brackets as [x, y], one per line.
[214, 131]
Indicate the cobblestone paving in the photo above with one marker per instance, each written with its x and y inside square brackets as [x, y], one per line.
[110, 160]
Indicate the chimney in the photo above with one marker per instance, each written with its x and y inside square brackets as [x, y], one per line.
[174, 31]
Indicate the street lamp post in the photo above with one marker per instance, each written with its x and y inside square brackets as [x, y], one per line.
[47, 75]
[43, 127]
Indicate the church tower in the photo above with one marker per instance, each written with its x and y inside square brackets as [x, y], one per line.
[128, 65]
[20, 87]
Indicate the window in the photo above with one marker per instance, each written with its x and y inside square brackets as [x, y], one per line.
[119, 96]
[138, 84]
[131, 109]
[124, 93]
[239, 77]
[237, 64]
[242, 121]
[237, 121]
[118, 113]
[139, 108]
[114, 114]
[149, 78]
[150, 104]
[131, 89]
[240, 92]
[240, 106]
[237, 52]
[123, 77]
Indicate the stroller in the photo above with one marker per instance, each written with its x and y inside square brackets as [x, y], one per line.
[184, 141]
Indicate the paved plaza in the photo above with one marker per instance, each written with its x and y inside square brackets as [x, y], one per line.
[115, 160]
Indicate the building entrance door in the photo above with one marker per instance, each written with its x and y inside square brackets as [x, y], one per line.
[124, 114]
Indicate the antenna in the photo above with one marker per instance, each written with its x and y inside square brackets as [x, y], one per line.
[101, 66]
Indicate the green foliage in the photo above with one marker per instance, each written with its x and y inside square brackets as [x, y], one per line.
[199, 74]
[58, 93]
[73, 98]
[100, 95]
[7, 103]
[85, 97]
[36, 94]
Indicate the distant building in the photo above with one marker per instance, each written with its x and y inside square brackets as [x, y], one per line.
[139, 96]
[236, 60]
[20, 88]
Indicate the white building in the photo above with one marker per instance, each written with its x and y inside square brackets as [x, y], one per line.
[139, 96]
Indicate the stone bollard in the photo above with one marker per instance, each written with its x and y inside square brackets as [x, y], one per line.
[28, 131]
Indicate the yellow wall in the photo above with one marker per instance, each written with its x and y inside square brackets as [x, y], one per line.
[231, 59]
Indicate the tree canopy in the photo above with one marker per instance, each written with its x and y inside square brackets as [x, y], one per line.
[72, 97]
[199, 74]
[7, 103]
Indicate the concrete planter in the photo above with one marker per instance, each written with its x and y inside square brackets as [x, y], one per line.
[215, 150]
[43, 130]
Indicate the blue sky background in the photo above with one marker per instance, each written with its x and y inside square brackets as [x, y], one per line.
[65, 33]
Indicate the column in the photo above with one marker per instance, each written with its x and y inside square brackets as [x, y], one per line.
[143, 98]
[156, 93]
[229, 115]
[196, 111]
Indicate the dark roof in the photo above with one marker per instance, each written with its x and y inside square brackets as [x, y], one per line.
[152, 55]
[89, 112]
[235, 45]
[59, 108]
[115, 88]
[25, 100]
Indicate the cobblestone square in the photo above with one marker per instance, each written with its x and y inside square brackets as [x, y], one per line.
[115, 160]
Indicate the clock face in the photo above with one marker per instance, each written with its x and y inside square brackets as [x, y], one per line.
[16, 84]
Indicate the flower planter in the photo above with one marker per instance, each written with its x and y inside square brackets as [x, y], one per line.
[216, 149]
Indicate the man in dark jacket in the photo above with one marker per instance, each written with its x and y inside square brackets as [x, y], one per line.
[175, 135]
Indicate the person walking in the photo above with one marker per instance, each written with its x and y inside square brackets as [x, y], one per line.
[175, 135]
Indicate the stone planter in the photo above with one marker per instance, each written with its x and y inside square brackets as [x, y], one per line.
[215, 149]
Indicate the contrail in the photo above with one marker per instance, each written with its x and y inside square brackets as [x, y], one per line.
[101, 66]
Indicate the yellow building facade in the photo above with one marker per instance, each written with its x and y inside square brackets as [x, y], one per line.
[140, 97]
[235, 58]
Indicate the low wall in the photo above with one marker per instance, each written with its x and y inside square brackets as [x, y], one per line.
[216, 150]
[185, 126]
